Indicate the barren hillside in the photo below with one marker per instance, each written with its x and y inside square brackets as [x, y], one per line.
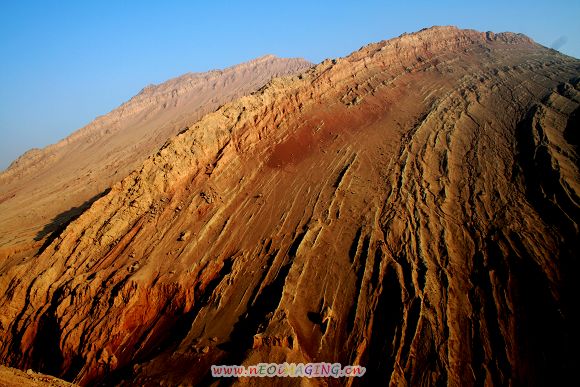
[45, 188]
[411, 208]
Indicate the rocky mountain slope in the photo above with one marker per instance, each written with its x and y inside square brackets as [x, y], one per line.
[411, 208]
[45, 188]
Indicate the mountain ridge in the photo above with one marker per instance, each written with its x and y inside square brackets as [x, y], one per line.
[146, 91]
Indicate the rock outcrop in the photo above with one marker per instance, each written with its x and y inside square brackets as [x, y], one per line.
[411, 208]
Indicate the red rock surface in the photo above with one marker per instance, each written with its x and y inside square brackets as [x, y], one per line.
[411, 208]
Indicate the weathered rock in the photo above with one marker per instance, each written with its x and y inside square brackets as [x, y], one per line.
[183, 236]
[261, 340]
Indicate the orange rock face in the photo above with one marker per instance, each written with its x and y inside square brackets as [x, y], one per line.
[411, 208]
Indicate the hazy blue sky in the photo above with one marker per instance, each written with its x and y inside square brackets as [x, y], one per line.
[62, 63]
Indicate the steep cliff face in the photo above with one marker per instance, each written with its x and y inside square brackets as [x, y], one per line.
[45, 188]
[411, 208]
